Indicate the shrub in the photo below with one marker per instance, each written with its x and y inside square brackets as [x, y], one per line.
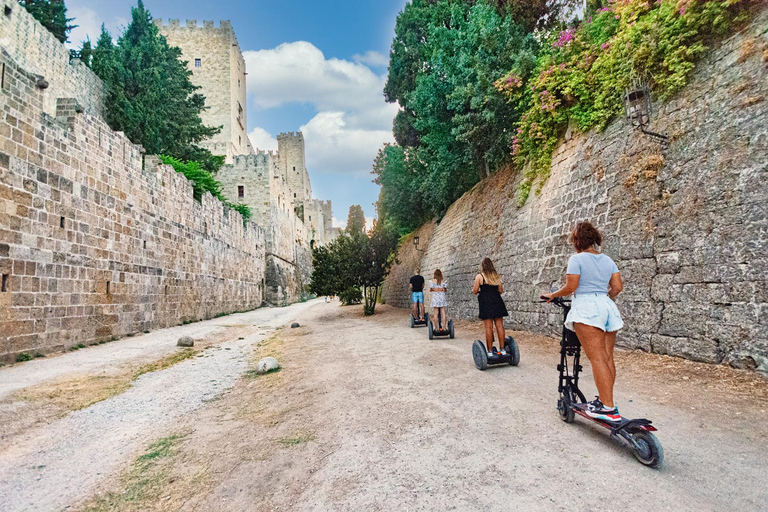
[351, 296]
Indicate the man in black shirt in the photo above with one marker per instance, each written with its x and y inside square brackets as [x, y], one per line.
[417, 295]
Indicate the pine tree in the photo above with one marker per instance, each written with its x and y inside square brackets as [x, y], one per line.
[53, 16]
[150, 96]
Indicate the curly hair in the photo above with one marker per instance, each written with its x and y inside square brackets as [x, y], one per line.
[585, 236]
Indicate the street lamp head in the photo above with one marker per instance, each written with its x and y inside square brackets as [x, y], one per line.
[637, 103]
[638, 108]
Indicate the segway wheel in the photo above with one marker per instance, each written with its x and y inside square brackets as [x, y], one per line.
[648, 451]
[426, 317]
[564, 408]
[480, 355]
[430, 330]
[513, 351]
[450, 328]
[412, 321]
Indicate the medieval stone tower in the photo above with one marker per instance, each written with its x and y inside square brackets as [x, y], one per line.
[214, 57]
[292, 161]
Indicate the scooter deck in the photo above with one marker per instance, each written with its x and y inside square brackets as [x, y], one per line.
[639, 423]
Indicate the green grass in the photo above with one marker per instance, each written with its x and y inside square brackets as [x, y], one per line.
[252, 374]
[77, 347]
[147, 480]
[160, 449]
[20, 358]
[298, 438]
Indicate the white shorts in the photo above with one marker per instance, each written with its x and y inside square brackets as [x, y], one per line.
[595, 309]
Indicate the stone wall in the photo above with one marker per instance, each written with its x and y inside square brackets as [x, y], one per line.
[94, 247]
[688, 229]
[35, 49]
[221, 77]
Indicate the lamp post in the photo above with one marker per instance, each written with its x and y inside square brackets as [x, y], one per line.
[416, 243]
[638, 108]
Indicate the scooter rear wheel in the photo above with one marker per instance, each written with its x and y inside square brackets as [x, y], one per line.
[648, 451]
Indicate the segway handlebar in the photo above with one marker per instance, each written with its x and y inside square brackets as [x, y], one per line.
[557, 301]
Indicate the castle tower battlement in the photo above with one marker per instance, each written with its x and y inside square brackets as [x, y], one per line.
[218, 68]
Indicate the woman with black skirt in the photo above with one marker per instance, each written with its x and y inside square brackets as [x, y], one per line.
[492, 309]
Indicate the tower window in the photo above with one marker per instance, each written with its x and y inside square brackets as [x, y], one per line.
[240, 140]
[294, 194]
[240, 191]
[5, 283]
[310, 218]
[198, 63]
[294, 168]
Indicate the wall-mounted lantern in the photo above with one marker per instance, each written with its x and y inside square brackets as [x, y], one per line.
[416, 243]
[639, 107]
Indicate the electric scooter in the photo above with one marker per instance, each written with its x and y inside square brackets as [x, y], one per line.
[637, 434]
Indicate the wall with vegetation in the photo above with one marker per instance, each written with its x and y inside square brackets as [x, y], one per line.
[38, 51]
[688, 229]
[92, 245]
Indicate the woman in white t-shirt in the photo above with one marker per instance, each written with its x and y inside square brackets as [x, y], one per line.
[438, 286]
[594, 280]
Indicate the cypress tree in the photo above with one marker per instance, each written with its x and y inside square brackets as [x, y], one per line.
[150, 96]
[53, 16]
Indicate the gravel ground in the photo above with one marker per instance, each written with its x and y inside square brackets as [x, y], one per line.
[56, 465]
[398, 422]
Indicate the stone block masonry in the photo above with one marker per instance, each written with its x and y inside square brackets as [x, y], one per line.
[92, 245]
[36, 50]
[688, 230]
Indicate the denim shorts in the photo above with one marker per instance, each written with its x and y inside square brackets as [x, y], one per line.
[595, 309]
[417, 297]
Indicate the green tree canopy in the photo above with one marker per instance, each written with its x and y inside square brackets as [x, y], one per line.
[150, 96]
[455, 126]
[356, 220]
[53, 16]
[354, 261]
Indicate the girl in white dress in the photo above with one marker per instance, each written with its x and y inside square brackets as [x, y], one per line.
[438, 286]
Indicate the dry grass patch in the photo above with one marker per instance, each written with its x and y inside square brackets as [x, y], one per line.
[77, 392]
[147, 484]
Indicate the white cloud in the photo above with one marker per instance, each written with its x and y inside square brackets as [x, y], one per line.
[262, 139]
[353, 120]
[89, 25]
[371, 58]
[333, 145]
[299, 73]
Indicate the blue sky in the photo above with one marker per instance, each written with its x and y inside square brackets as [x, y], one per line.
[314, 66]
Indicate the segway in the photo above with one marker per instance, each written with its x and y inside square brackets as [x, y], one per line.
[509, 355]
[636, 434]
[439, 332]
[415, 321]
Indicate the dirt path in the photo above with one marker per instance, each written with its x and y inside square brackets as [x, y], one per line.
[56, 464]
[369, 415]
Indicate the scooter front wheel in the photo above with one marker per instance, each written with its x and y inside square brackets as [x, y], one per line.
[647, 449]
[564, 407]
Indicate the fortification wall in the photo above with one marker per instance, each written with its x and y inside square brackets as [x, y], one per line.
[35, 49]
[690, 237]
[92, 247]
